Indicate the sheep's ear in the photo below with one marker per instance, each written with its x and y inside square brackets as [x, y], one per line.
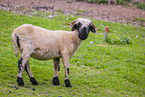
[74, 27]
[71, 22]
[92, 28]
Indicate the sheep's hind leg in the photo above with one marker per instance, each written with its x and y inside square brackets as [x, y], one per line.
[56, 63]
[21, 65]
[32, 79]
[20, 71]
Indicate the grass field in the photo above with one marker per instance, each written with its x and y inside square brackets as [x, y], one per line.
[98, 69]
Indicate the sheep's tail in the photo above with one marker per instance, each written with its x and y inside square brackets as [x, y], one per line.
[15, 41]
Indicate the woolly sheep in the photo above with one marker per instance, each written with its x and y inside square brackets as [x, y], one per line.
[43, 44]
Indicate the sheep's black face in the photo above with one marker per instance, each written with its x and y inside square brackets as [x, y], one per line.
[83, 31]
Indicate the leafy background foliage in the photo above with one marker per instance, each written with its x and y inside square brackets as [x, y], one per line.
[119, 2]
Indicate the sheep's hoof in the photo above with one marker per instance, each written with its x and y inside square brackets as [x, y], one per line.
[56, 81]
[67, 83]
[20, 81]
[33, 81]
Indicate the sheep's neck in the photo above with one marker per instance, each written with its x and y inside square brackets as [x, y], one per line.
[76, 40]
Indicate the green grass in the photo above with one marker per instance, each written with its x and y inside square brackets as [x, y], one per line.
[98, 69]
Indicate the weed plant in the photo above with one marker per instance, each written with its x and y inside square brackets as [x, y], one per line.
[119, 40]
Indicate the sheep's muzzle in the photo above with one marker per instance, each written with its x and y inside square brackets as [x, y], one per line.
[83, 33]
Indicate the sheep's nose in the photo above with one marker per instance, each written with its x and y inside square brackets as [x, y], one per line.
[84, 31]
[84, 28]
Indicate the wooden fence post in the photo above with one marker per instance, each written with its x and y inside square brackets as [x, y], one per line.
[106, 33]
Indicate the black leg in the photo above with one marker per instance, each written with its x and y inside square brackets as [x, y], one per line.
[56, 81]
[67, 83]
[32, 79]
[20, 81]
[56, 63]
[65, 58]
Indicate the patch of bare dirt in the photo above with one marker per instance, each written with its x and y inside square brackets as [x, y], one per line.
[113, 13]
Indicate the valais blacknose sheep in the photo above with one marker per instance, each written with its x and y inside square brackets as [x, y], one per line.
[43, 44]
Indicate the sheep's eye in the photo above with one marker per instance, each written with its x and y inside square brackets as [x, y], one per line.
[79, 25]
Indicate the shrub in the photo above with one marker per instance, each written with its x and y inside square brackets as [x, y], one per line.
[140, 19]
[120, 2]
[141, 6]
[98, 1]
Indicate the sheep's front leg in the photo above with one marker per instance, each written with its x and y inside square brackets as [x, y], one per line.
[66, 65]
[32, 79]
[56, 63]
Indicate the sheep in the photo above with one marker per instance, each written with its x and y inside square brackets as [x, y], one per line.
[43, 44]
